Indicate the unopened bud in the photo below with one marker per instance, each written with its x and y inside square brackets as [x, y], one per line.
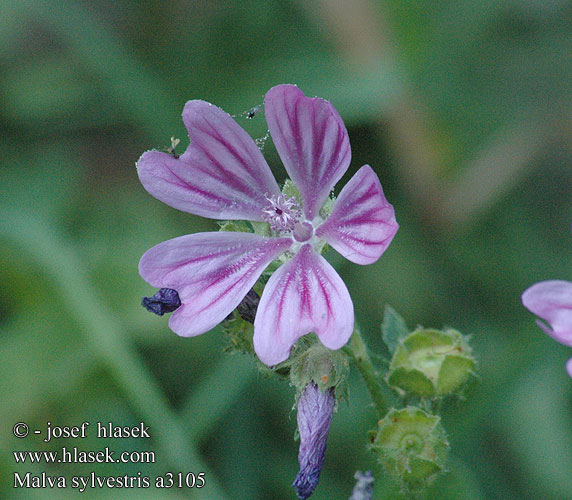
[319, 375]
[315, 410]
[166, 300]
[432, 363]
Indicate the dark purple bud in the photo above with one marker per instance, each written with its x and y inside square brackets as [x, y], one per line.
[315, 410]
[166, 300]
[247, 308]
[363, 490]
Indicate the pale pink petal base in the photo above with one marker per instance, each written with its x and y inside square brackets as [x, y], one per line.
[221, 175]
[362, 223]
[552, 301]
[304, 295]
[312, 142]
[212, 272]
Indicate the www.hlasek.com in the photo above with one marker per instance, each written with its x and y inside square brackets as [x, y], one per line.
[75, 456]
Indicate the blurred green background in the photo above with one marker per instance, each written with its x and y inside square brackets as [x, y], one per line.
[464, 110]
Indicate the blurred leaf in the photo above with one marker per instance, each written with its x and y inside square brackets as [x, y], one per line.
[103, 332]
[56, 96]
[545, 451]
[393, 328]
[39, 178]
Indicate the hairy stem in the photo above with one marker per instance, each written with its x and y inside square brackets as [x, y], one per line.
[358, 351]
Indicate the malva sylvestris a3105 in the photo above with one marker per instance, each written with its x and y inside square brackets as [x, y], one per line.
[223, 175]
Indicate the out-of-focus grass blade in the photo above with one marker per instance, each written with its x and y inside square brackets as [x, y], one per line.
[106, 338]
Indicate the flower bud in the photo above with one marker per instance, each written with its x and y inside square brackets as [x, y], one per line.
[432, 363]
[166, 300]
[412, 446]
[315, 410]
[317, 373]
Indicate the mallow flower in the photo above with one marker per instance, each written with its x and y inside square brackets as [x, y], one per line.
[552, 301]
[223, 175]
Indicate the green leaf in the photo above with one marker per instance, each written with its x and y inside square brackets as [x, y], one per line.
[393, 328]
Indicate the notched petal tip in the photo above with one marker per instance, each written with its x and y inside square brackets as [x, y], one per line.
[362, 223]
[221, 175]
[312, 142]
[304, 295]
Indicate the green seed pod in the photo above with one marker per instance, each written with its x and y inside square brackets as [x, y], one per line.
[432, 363]
[412, 446]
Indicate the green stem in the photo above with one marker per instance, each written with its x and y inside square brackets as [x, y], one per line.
[358, 351]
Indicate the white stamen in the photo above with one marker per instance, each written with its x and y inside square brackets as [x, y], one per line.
[281, 213]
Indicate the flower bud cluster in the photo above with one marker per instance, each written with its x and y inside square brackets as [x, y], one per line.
[429, 364]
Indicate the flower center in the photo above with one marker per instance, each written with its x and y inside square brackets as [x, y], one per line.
[303, 231]
[281, 213]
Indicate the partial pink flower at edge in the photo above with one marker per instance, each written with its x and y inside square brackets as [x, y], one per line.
[223, 175]
[552, 301]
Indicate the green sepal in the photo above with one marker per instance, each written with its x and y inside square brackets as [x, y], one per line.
[324, 367]
[454, 373]
[240, 334]
[289, 190]
[238, 226]
[261, 228]
[327, 207]
[284, 369]
[422, 473]
[411, 382]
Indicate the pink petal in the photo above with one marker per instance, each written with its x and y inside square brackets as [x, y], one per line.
[304, 295]
[569, 367]
[311, 140]
[221, 175]
[552, 301]
[362, 223]
[212, 272]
